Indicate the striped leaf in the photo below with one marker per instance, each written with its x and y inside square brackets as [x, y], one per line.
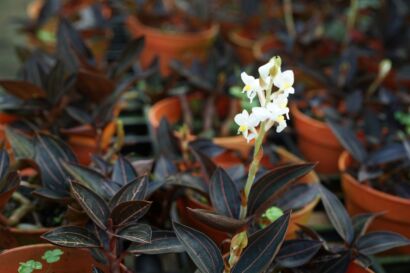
[93, 205]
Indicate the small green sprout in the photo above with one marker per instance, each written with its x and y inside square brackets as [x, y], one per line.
[29, 266]
[50, 256]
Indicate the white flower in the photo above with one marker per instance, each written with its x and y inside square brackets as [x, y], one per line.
[281, 101]
[281, 124]
[252, 86]
[272, 111]
[269, 70]
[247, 123]
[284, 81]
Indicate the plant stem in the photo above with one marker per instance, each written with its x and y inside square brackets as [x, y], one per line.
[208, 113]
[351, 19]
[186, 111]
[288, 12]
[252, 170]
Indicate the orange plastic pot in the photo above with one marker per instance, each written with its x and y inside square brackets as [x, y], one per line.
[361, 198]
[74, 260]
[170, 108]
[168, 46]
[317, 142]
[11, 237]
[4, 120]
[300, 217]
[84, 144]
[243, 41]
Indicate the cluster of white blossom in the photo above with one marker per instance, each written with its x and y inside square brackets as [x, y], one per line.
[273, 109]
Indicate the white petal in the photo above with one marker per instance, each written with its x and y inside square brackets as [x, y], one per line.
[246, 78]
[289, 76]
[281, 126]
[289, 90]
[241, 118]
[253, 120]
[264, 70]
[250, 137]
[251, 95]
[261, 113]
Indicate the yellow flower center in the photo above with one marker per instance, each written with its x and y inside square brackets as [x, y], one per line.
[247, 88]
[287, 85]
[242, 128]
[280, 118]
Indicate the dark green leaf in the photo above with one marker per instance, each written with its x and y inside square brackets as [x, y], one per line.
[91, 179]
[376, 242]
[4, 164]
[21, 89]
[337, 215]
[207, 147]
[349, 140]
[139, 233]
[123, 171]
[225, 197]
[72, 236]
[49, 152]
[23, 147]
[208, 167]
[188, 180]
[262, 247]
[161, 242]
[202, 250]
[10, 182]
[93, 205]
[133, 191]
[295, 253]
[386, 154]
[361, 222]
[220, 222]
[339, 265]
[298, 197]
[56, 83]
[128, 56]
[129, 211]
[167, 142]
[267, 189]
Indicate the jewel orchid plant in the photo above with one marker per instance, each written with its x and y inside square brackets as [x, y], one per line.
[273, 111]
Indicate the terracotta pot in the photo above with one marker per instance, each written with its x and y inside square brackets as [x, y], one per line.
[317, 142]
[168, 46]
[14, 237]
[356, 268]
[84, 143]
[170, 108]
[243, 41]
[4, 120]
[74, 260]
[361, 198]
[299, 217]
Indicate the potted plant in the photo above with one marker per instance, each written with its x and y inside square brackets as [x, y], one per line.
[75, 99]
[114, 211]
[89, 18]
[374, 172]
[179, 30]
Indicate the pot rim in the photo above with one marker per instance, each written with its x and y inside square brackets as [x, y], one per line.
[211, 31]
[154, 121]
[343, 163]
[305, 118]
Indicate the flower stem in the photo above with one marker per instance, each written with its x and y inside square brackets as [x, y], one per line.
[253, 170]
